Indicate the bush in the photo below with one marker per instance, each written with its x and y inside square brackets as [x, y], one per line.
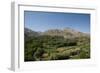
[60, 56]
[84, 54]
[63, 56]
[38, 53]
[53, 56]
[29, 54]
[75, 51]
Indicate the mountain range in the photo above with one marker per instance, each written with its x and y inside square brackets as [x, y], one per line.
[66, 33]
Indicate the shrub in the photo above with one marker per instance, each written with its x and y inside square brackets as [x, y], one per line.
[75, 51]
[53, 56]
[63, 56]
[38, 53]
[60, 56]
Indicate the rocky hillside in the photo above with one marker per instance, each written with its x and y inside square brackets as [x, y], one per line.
[66, 33]
[29, 32]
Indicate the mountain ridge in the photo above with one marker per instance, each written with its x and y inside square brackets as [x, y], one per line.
[66, 32]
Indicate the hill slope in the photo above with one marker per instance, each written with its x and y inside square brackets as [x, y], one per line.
[66, 33]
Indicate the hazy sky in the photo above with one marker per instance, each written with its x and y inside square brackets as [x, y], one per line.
[41, 21]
